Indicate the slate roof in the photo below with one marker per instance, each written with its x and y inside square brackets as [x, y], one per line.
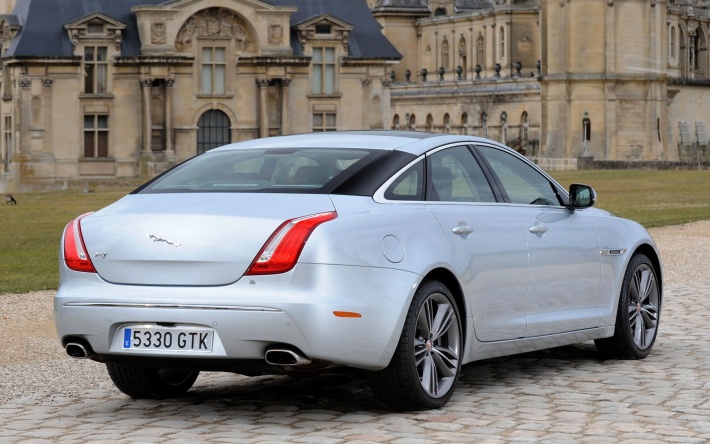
[366, 39]
[407, 6]
[472, 5]
[43, 33]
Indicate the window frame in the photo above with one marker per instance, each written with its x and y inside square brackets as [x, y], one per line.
[320, 81]
[380, 195]
[92, 71]
[430, 180]
[97, 133]
[212, 65]
[324, 127]
[560, 193]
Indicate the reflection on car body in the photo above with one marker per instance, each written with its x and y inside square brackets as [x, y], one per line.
[405, 254]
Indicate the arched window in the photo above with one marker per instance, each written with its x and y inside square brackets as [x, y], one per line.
[524, 131]
[673, 43]
[412, 122]
[439, 12]
[502, 44]
[481, 52]
[462, 57]
[429, 123]
[484, 123]
[395, 122]
[504, 128]
[447, 123]
[213, 130]
[464, 123]
[445, 54]
[587, 129]
[701, 53]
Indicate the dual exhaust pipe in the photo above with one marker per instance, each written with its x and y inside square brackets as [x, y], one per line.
[278, 356]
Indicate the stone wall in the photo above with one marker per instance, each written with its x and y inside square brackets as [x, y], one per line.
[641, 165]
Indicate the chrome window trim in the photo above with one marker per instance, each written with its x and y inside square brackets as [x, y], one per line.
[379, 195]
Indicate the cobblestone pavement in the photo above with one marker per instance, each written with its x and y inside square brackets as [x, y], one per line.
[561, 395]
[564, 395]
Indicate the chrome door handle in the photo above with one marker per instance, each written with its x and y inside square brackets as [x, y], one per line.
[538, 229]
[462, 230]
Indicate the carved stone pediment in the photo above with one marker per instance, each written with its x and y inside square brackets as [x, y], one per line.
[216, 23]
[324, 27]
[94, 27]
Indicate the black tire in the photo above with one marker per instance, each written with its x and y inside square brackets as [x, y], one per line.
[151, 383]
[639, 313]
[427, 361]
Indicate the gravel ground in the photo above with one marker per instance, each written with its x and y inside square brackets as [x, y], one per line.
[33, 364]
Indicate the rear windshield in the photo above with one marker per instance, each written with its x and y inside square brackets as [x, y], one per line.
[309, 170]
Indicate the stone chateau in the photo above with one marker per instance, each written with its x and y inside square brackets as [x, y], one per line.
[122, 89]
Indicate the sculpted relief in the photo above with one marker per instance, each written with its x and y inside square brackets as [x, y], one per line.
[215, 23]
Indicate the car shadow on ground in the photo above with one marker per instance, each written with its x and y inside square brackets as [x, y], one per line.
[349, 391]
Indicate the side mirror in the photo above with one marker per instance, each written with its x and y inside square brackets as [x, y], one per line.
[581, 196]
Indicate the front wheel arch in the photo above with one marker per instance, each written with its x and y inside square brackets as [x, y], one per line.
[652, 255]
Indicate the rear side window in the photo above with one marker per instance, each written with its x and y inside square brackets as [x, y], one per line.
[455, 176]
[303, 170]
[409, 185]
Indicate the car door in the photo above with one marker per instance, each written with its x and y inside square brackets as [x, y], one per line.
[486, 238]
[563, 248]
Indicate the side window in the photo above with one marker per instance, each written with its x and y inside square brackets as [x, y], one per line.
[457, 177]
[522, 183]
[409, 185]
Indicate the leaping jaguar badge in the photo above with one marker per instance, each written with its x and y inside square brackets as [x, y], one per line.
[161, 239]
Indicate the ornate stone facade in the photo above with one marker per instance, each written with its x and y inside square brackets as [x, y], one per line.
[160, 82]
[143, 89]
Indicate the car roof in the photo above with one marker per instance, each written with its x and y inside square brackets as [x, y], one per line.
[413, 142]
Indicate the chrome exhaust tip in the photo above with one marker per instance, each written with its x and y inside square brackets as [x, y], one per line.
[285, 357]
[77, 351]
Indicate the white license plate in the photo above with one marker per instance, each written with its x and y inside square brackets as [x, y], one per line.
[168, 338]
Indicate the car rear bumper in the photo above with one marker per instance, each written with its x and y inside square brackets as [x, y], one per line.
[295, 309]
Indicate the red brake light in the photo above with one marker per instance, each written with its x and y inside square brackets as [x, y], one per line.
[283, 248]
[75, 255]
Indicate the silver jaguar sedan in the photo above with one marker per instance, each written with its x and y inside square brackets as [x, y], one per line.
[405, 254]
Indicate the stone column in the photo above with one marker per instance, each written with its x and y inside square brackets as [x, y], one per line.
[284, 106]
[147, 125]
[169, 148]
[263, 112]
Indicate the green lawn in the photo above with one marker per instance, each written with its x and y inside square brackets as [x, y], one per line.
[652, 198]
[31, 230]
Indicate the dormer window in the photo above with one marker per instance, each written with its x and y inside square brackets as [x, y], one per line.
[93, 29]
[323, 29]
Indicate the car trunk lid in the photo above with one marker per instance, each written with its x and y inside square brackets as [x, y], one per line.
[186, 239]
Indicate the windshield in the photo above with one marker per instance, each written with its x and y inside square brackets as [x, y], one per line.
[309, 170]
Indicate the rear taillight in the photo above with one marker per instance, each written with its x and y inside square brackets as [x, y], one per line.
[283, 248]
[75, 255]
